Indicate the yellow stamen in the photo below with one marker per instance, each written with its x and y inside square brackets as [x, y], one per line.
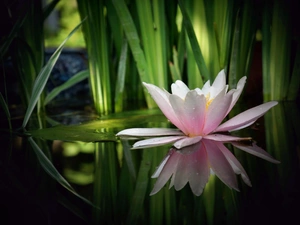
[208, 100]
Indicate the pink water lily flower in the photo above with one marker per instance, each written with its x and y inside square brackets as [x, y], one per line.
[198, 115]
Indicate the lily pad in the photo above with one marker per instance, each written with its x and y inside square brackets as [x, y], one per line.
[73, 133]
[103, 129]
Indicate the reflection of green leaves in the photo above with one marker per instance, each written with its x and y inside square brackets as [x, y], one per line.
[42, 79]
[5, 108]
[51, 170]
[140, 188]
[72, 81]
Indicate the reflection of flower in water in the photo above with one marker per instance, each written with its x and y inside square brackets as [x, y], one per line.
[194, 163]
[198, 114]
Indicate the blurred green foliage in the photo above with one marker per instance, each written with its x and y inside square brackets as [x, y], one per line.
[59, 24]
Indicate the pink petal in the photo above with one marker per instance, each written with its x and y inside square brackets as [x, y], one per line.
[225, 138]
[216, 111]
[181, 174]
[161, 166]
[152, 142]
[192, 167]
[190, 111]
[149, 132]
[162, 100]
[168, 169]
[200, 170]
[247, 117]
[184, 142]
[235, 164]
[255, 150]
[220, 165]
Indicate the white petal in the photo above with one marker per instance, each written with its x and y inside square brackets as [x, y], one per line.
[225, 138]
[148, 132]
[180, 89]
[237, 92]
[246, 118]
[218, 84]
[152, 142]
[206, 87]
[255, 150]
[187, 141]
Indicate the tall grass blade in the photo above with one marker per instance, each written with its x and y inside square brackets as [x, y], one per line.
[96, 38]
[49, 8]
[69, 83]
[7, 41]
[42, 79]
[134, 43]
[276, 50]
[294, 83]
[121, 78]
[175, 67]
[194, 43]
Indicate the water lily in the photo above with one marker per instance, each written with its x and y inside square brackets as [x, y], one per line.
[198, 116]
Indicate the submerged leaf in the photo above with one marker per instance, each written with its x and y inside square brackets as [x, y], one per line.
[73, 133]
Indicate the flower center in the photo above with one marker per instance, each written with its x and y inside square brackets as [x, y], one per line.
[208, 100]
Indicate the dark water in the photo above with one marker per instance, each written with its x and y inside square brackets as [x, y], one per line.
[119, 182]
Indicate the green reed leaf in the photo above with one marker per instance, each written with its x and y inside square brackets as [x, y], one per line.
[69, 83]
[134, 43]
[194, 43]
[42, 78]
[121, 78]
[294, 84]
